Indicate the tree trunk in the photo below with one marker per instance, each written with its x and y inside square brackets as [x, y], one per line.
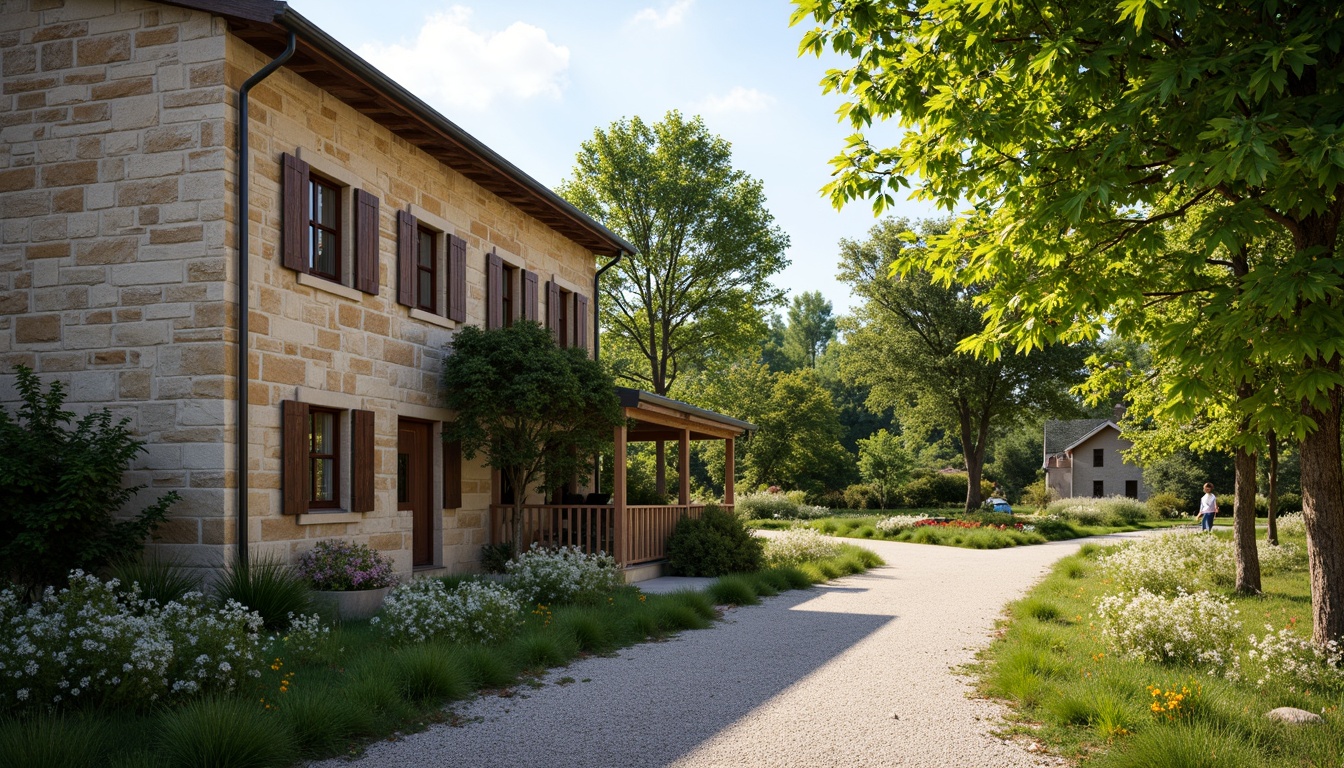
[1243, 524]
[974, 470]
[1272, 534]
[1323, 513]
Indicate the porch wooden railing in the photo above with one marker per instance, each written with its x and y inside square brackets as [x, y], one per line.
[643, 536]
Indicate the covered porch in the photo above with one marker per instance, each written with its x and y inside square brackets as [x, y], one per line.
[634, 535]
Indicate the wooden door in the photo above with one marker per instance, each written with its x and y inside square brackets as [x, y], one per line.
[415, 487]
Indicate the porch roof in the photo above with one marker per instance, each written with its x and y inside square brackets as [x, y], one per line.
[662, 418]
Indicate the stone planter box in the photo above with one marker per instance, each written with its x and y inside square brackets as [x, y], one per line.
[353, 605]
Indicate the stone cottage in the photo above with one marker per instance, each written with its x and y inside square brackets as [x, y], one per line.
[1085, 458]
[372, 225]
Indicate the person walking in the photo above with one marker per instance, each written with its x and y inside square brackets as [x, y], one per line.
[1208, 507]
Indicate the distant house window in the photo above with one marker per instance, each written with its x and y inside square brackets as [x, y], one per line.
[324, 229]
[1098, 457]
[426, 270]
[1132, 489]
[324, 464]
[562, 319]
[1098, 489]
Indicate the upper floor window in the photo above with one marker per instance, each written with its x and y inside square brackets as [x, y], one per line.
[324, 229]
[1098, 457]
[508, 295]
[329, 227]
[562, 318]
[426, 270]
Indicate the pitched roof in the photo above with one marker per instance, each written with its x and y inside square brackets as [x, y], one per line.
[1063, 435]
[324, 61]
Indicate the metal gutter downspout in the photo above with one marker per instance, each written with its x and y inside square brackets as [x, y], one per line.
[597, 293]
[244, 280]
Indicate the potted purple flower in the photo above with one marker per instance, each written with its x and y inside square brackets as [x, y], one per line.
[352, 578]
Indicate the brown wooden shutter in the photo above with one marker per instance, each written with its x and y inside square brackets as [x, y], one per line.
[361, 461]
[366, 242]
[553, 309]
[452, 474]
[494, 291]
[406, 259]
[530, 296]
[580, 321]
[294, 468]
[294, 213]
[457, 279]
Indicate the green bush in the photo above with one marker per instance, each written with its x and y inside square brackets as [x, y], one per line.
[939, 489]
[715, 544]
[1290, 502]
[861, 496]
[1037, 495]
[268, 587]
[63, 491]
[225, 733]
[1165, 506]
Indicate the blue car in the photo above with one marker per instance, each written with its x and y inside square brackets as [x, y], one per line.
[1000, 505]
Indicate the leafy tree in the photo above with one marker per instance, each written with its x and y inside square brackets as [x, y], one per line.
[857, 421]
[1015, 459]
[904, 342]
[699, 284]
[884, 463]
[62, 489]
[534, 410]
[773, 354]
[1075, 130]
[811, 328]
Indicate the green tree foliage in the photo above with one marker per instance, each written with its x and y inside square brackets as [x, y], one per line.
[796, 444]
[699, 285]
[884, 464]
[1015, 459]
[772, 346]
[61, 482]
[534, 410]
[1075, 131]
[904, 342]
[811, 328]
[857, 421]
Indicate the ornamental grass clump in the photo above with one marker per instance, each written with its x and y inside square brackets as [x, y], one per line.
[562, 575]
[340, 566]
[1198, 629]
[471, 612]
[797, 546]
[91, 644]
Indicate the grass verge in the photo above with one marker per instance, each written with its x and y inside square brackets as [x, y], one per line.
[864, 527]
[1070, 690]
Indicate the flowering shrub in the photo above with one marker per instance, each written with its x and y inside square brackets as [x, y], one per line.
[888, 525]
[1191, 628]
[306, 636]
[767, 505]
[1291, 524]
[799, 545]
[339, 566]
[1113, 510]
[1284, 557]
[562, 575]
[1284, 657]
[473, 612]
[1170, 561]
[92, 643]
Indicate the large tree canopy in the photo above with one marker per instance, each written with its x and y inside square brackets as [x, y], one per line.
[904, 340]
[698, 288]
[1075, 129]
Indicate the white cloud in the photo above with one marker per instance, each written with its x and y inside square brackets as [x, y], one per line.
[738, 100]
[668, 18]
[451, 65]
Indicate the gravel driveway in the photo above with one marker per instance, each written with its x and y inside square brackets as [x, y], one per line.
[854, 673]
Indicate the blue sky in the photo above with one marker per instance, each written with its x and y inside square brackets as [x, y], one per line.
[533, 79]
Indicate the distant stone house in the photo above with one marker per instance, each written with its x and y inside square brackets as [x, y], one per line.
[375, 228]
[1083, 458]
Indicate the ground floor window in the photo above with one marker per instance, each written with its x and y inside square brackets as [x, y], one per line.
[1098, 489]
[1132, 489]
[324, 464]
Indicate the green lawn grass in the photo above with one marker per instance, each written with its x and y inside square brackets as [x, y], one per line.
[1072, 693]
[358, 688]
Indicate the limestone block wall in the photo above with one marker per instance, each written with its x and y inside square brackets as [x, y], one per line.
[113, 240]
[333, 346]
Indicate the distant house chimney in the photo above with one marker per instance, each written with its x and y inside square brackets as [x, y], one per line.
[1118, 413]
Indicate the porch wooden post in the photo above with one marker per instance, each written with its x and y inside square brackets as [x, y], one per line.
[618, 496]
[729, 470]
[684, 468]
[660, 468]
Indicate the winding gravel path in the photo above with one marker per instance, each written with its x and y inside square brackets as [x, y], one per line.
[858, 672]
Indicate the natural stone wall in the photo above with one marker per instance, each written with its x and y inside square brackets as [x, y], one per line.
[117, 157]
[114, 245]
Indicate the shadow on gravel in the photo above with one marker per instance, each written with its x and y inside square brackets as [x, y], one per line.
[658, 702]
